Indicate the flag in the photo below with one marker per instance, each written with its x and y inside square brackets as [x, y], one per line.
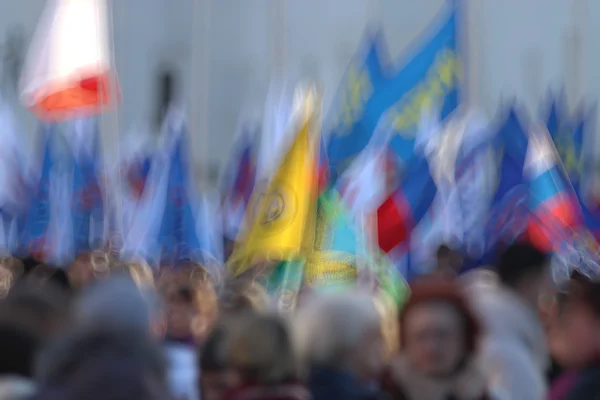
[281, 218]
[363, 78]
[239, 179]
[143, 216]
[178, 235]
[509, 210]
[34, 235]
[83, 138]
[552, 199]
[14, 174]
[407, 205]
[400, 212]
[429, 78]
[68, 67]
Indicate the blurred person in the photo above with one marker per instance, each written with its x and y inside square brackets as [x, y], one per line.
[243, 294]
[102, 363]
[341, 339]
[214, 379]
[438, 343]
[577, 342]
[514, 351]
[448, 262]
[262, 360]
[45, 308]
[191, 310]
[29, 316]
[117, 302]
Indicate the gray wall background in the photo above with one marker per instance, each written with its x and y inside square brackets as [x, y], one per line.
[516, 48]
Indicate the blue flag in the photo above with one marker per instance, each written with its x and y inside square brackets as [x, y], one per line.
[509, 210]
[88, 210]
[34, 229]
[362, 80]
[429, 79]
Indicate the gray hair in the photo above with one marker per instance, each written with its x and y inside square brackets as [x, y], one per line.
[118, 303]
[328, 329]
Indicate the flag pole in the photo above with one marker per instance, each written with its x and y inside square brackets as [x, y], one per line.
[115, 233]
[201, 88]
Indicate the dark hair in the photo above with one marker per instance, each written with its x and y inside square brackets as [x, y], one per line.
[19, 346]
[434, 291]
[43, 307]
[212, 354]
[520, 260]
[585, 292]
[443, 251]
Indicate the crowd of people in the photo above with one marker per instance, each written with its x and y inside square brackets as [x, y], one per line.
[126, 332]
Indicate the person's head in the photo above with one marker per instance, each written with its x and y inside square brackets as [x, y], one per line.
[525, 269]
[117, 302]
[214, 377]
[438, 331]
[104, 363]
[449, 261]
[45, 307]
[342, 331]
[260, 351]
[29, 316]
[575, 339]
[190, 303]
[242, 295]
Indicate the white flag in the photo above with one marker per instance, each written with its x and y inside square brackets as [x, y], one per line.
[67, 68]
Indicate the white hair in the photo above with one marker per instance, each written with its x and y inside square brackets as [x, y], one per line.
[329, 328]
[117, 302]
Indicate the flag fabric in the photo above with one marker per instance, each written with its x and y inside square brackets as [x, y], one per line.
[281, 217]
[239, 179]
[67, 71]
[568, 135]
[14, 175]
[143, 215]
[552, 199]
[363, 78]
[178, 235]
[83, 139]
[406, 206]
[34, 239]
[428, 78]
[508, 214]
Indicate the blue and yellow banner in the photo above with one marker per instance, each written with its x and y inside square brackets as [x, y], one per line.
[429, 78]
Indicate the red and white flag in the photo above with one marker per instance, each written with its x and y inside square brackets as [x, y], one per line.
[67, 71]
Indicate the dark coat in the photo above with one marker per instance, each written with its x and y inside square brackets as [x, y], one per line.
[586, 385]
[329, 383]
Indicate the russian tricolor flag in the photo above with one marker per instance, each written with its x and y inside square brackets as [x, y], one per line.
[552, 201]
[400, 213]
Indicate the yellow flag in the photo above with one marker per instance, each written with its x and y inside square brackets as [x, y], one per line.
[282, 217]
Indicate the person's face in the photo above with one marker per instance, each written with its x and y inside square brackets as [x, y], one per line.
[214, 385]
[180, 313]
[434, 338]
[574, 339]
